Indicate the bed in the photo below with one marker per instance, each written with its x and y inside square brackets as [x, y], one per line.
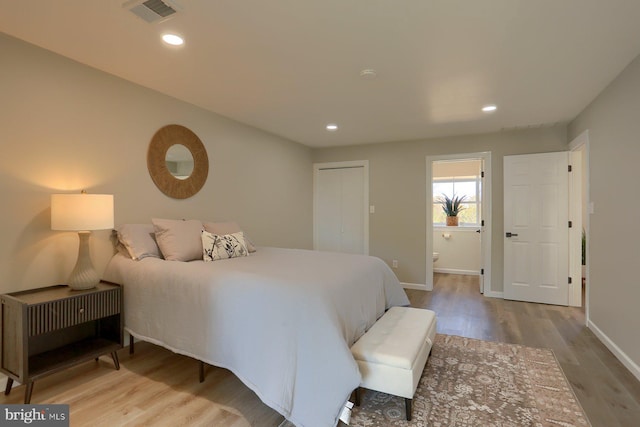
[282, 320]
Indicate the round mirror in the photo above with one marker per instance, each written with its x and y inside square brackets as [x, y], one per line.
[177, 161]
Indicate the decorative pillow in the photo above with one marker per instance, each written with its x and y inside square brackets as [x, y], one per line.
[222, 228]
[179, 240]
[215, 247]
[139, 240]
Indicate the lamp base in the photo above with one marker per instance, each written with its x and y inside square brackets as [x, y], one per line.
[83, 276]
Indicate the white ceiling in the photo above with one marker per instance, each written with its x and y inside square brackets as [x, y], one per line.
[292, 66]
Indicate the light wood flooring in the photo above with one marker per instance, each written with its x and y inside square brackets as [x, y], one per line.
[155, 387]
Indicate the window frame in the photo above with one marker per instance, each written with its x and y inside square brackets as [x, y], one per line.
[477, 179]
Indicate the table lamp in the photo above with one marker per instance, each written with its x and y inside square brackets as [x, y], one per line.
[82, 213]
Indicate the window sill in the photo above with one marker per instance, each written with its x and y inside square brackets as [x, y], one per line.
[468, 228]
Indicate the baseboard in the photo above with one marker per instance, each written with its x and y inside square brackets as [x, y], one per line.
[456, 271]
[417, 286]
[493, 294]
[621, 355]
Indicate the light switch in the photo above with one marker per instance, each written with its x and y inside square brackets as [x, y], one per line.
[372, 209]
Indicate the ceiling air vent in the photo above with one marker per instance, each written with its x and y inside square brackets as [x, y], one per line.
[152, 11]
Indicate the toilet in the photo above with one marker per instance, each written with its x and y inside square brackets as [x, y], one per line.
[436, 255]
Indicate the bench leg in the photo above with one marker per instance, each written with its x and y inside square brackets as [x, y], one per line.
[358, 396]
[130, 344]
[407, 405]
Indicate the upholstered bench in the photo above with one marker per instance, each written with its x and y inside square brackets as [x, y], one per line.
[392, 354]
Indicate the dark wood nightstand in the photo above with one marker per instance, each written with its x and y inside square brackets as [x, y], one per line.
[49, 329]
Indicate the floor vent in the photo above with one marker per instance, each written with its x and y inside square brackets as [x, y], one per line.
[152, 11]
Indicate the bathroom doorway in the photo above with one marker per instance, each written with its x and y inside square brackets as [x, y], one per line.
[465, 248]
[580, 209]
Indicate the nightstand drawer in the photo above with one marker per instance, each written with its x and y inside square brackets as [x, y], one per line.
[59, 314]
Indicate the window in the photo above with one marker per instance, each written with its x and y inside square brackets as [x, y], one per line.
[469, 186]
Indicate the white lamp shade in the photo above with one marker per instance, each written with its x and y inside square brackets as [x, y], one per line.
[81, 212]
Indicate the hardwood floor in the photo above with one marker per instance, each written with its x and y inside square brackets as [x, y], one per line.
[155, 387]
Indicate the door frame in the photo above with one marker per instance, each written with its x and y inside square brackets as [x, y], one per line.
[581, 142]
[485, 247]
[365, 209]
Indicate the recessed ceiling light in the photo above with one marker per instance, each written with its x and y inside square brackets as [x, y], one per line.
[489, 108]
[173, 39]
[368, 74]
[331, 127]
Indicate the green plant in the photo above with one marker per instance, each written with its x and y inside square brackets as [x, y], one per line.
[452, 206]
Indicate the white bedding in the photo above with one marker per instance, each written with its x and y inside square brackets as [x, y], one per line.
[282, 320]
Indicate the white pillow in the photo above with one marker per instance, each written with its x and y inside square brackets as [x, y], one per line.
[179, 240]
[229, 227]
[216, 247]
[139, 240]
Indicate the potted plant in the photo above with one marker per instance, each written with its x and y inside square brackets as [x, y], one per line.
[452, 207]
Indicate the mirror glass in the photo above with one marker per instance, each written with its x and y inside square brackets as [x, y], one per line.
[179, 161]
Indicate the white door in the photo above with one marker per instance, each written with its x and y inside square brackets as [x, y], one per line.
[536, 239]
[328, 210]
[340, 202]
[481, 230]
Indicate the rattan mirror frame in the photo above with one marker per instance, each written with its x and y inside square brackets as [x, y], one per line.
[173, 187]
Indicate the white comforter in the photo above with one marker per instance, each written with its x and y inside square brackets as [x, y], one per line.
[282, 320]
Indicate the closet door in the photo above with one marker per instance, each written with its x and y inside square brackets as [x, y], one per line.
[352, 211]
[339, 212]
[328, 210]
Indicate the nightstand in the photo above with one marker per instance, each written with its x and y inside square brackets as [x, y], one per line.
[49, 329]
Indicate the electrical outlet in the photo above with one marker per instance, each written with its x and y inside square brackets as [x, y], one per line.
[394, 263]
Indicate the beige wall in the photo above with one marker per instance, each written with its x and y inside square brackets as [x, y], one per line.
[459, 250]
[613, 122]
[65, 127]
[397, 188]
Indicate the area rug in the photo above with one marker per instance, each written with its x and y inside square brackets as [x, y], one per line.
[471, 383]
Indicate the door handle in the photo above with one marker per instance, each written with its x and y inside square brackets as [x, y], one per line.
[478, 230]
[510, 234]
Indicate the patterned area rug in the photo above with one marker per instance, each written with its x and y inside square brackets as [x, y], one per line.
[470, 383]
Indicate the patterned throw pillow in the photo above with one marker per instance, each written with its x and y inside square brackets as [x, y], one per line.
[228, 227]
[216, 247]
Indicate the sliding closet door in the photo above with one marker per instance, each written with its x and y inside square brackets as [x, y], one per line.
[340, 209]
